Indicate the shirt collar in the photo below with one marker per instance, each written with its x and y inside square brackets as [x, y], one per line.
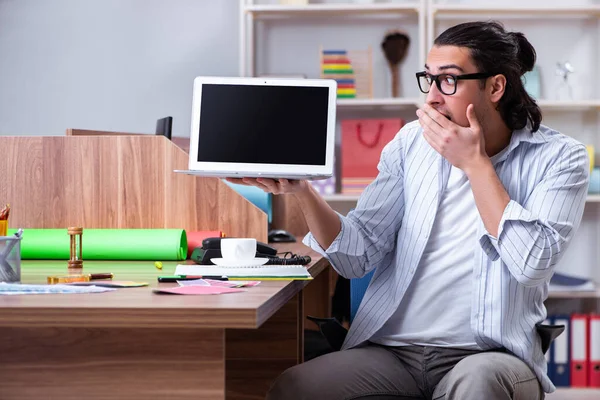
[521, 135]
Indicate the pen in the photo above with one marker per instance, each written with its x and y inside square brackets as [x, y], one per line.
[52, 280]
[175, 278]
[105, 275]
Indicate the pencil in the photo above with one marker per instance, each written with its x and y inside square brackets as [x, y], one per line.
[5, 212]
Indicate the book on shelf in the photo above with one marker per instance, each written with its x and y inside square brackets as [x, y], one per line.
[566, 283]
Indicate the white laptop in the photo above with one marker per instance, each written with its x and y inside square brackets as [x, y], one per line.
[263, 127]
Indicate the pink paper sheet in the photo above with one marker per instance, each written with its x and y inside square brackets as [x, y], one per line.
[232, 284]
[198, 290]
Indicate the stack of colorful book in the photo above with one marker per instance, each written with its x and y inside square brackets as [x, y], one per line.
[335, 64]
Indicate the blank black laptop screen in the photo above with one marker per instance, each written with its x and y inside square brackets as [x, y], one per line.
[263, 124]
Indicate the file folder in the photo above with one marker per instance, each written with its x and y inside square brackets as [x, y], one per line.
[594, 366]
[561, 373]
[579, 350]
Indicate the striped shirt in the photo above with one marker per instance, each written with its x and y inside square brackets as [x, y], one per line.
[546, 176]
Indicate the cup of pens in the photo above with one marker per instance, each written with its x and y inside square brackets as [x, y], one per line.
[10, 257]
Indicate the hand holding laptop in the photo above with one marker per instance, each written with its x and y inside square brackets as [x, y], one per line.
[275, 186]
[323, 222]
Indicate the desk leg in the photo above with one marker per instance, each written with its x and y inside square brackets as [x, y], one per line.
[255, 357]
[119, 363]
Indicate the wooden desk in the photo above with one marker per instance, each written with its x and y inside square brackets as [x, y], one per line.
[133, 344]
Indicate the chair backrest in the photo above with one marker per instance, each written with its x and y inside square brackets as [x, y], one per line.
[164, 127]
[358, 287]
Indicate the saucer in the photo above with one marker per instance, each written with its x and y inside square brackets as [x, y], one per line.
[251, 262]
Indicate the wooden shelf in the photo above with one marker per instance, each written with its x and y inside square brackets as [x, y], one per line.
[378, 103]
[341, 198]
[574, 394]
[518, 11]
[259, 10]
[546, 105]
[575, 294]
[593, 198]
[346, 198]
[555, 105]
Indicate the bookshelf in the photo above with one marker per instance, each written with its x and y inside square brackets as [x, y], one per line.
[407, 103]
[575, 295]
[545, 105]
[513, 11]
[347, 198]
[579, 117]
[574, 105]
[325, 9]
[255, 15]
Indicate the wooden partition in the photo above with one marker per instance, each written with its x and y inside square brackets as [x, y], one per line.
[183, 143]
[116, 181]
[286, 215]
[286, 211]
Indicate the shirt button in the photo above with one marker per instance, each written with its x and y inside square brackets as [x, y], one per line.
[412, 271]
[476, 315]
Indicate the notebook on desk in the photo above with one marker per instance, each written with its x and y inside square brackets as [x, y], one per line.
[257, 127]
[262, 272]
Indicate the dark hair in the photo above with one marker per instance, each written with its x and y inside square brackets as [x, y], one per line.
[496, 51]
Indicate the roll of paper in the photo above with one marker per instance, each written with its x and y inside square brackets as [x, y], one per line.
[105, 244]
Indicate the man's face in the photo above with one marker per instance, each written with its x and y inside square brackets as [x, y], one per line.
[457, 61]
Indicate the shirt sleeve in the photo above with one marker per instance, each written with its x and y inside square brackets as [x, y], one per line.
[533, 236]
[368, 232]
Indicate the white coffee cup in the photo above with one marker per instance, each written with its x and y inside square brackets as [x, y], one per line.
[238, 248]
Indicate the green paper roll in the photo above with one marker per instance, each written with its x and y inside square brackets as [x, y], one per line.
[105, 244]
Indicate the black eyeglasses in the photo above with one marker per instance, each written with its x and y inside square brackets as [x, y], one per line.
[446, 83]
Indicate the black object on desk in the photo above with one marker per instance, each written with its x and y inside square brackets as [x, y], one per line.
[281, 236]
[175, 278]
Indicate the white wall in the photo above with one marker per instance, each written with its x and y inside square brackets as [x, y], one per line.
[109, 64]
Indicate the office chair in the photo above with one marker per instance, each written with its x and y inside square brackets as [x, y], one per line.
[331, 328]
[335, 333]
[164, 127]
[358, 287]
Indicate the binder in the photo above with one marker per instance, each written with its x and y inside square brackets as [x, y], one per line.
[579, 350]
[561, 363]
[594, 359]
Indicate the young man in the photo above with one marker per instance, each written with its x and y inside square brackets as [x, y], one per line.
[472, 208]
